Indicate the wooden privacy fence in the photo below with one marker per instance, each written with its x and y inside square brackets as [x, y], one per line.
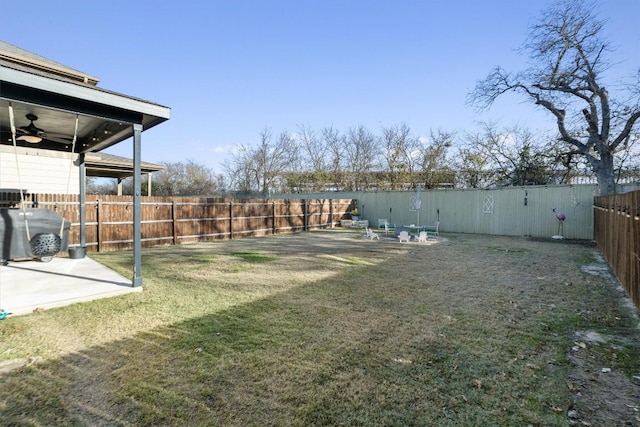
[176, 220]
[617, 230]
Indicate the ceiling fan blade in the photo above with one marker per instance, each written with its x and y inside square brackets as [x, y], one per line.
[58, 140]
[48, 135]
[32, 130]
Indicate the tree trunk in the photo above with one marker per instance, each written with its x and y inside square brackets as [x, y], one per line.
[604, 172]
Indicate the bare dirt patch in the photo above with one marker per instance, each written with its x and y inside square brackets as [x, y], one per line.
[604, 392]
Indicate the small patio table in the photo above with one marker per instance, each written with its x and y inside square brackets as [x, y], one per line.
[414, 230]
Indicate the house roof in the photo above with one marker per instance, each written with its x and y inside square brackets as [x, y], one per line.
[112, 166]
[11, 54]
[58, 95]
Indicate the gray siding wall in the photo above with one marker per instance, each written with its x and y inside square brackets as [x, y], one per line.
[469, 211]
[500, 211]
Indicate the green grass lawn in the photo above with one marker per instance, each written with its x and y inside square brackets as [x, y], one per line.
[327, 328]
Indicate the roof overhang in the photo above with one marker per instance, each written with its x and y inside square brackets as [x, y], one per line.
[104, 117]
[110, 166]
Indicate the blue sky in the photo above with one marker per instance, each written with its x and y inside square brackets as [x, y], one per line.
[230, 69]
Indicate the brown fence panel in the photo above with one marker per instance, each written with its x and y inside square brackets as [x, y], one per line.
[320, 213]
[198, 219]
[176, 220]
[11, 199]
[289, 215]
[617, 231]
[117, 223]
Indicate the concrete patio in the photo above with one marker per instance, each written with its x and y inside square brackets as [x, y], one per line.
[29, 285]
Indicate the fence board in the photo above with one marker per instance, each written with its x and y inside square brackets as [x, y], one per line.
[617, 230]
[177, 220]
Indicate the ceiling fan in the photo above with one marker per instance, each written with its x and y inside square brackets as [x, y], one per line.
[33, 134]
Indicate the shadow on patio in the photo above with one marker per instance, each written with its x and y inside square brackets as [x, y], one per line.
[26, 286]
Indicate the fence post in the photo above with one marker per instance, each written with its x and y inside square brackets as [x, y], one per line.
[174, 218]
[273, 217]
[305, 220]
[100, 230]
[230, 220]
[331, 213]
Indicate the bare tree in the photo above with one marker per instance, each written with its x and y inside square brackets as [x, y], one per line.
[314, 159]
[336, 147]
[434, 166]
[188, 178]
[472, 168]
[96, 186]
[513, 155]
[568, 53]
[238, 169]
[262, 169]
[361, 148]
[399, 147]
[627, 165]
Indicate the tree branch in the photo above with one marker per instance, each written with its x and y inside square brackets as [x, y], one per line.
[626, 131]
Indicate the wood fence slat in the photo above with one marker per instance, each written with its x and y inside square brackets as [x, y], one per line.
[176, 220]
[617, 231]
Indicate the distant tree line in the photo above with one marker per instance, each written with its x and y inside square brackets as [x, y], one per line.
[394, 159]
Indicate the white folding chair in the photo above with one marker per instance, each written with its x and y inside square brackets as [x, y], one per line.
[404, 236]
[370, 234]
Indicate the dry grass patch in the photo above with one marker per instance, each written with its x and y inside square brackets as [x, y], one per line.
[327, 328]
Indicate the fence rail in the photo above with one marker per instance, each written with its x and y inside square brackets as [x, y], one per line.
[617, 229]
[177, 220]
